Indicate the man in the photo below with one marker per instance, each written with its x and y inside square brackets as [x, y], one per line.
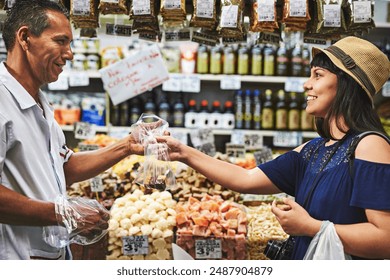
[35, 163]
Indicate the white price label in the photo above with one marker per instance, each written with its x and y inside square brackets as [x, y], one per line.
[235, 150]
[294, 84]
[96, 184]
[135, 245]
[84, 130]
[61, 84]
[208, 249]
[190, 83]
[78, 79]
[231, 82]
[173, 83]
[253, 141]
[386, 90]
[287, 139]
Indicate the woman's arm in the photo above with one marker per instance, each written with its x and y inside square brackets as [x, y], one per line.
[226, 174]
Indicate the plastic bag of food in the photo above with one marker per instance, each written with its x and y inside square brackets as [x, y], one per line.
[156, 172]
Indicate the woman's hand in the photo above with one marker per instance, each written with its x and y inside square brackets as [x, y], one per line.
[294, 219]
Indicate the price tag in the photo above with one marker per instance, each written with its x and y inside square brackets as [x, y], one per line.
[253, 141]
[173, 83]
[287, 139]
[207, 148]
[96, 184]
[262, 156]
[208, 249]
[230, 82]
[294, 84]
[61, 84]
[201, 136]
[87, 147]
[235, 150]
[386, 90]
[135, 245]
[190, 83]
[84, 130]
[78, 79]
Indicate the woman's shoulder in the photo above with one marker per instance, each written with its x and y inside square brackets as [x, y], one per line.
[373, 148]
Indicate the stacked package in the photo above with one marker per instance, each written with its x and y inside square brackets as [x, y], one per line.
[212, 228]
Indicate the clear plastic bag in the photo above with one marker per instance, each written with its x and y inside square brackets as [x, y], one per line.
[326, 245]
[85, 222]
[157, 171]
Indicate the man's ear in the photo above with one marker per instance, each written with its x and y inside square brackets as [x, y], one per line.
[22, 37]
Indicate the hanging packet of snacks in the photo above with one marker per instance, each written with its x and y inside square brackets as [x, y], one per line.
[231, 24]
[263, 17]
[117, 7]
[156, 172]
[173, 12]
[331, 19]
[295, 15]
[205, 14]
[359, 15]
[144, 16]
[84, 13]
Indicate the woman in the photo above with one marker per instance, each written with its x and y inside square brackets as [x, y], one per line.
[344, 78]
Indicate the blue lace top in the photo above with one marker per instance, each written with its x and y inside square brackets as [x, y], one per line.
[337, 197]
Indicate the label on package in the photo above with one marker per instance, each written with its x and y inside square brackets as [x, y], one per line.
[208, 249]
[135, 245]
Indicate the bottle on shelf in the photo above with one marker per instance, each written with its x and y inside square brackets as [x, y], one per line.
[248, 109]
[281, 111]
[269, 60]
[256, 60]
[227, 121]
[268, 111]
[293, 113]
[115, 114]
[306, 61]
[150, 107]
[191, 116]
[215, 119]
[243, 60]
[164, 108]
[124, 114]
[239, 110]
[296, 61]
[202, 60]
[256, 110]
[178, 112]
[203, 115]
[282, 61]
[215, 60]
[134, 110]
[229, 60]
[307, 120]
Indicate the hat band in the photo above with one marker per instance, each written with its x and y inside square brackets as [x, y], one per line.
[350, 64]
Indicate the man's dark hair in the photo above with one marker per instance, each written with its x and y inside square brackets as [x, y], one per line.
[31, 13]
[351, 102]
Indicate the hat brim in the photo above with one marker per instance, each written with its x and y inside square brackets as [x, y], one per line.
[340, 65]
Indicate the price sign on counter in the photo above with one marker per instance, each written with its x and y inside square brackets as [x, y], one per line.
[253, 141]
[235, 150]
[96, 184]
[173, 83]
[78, 79]
[190, 83]
[231, 82]
[135, 245]
[83, 130]
[287, 139]
[208, 249]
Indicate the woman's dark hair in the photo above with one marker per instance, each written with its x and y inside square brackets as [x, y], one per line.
[351, 103]
[31, 13]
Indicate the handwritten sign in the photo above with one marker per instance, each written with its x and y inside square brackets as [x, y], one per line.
[134, 75]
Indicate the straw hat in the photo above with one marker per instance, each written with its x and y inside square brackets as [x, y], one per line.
[360, 59]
